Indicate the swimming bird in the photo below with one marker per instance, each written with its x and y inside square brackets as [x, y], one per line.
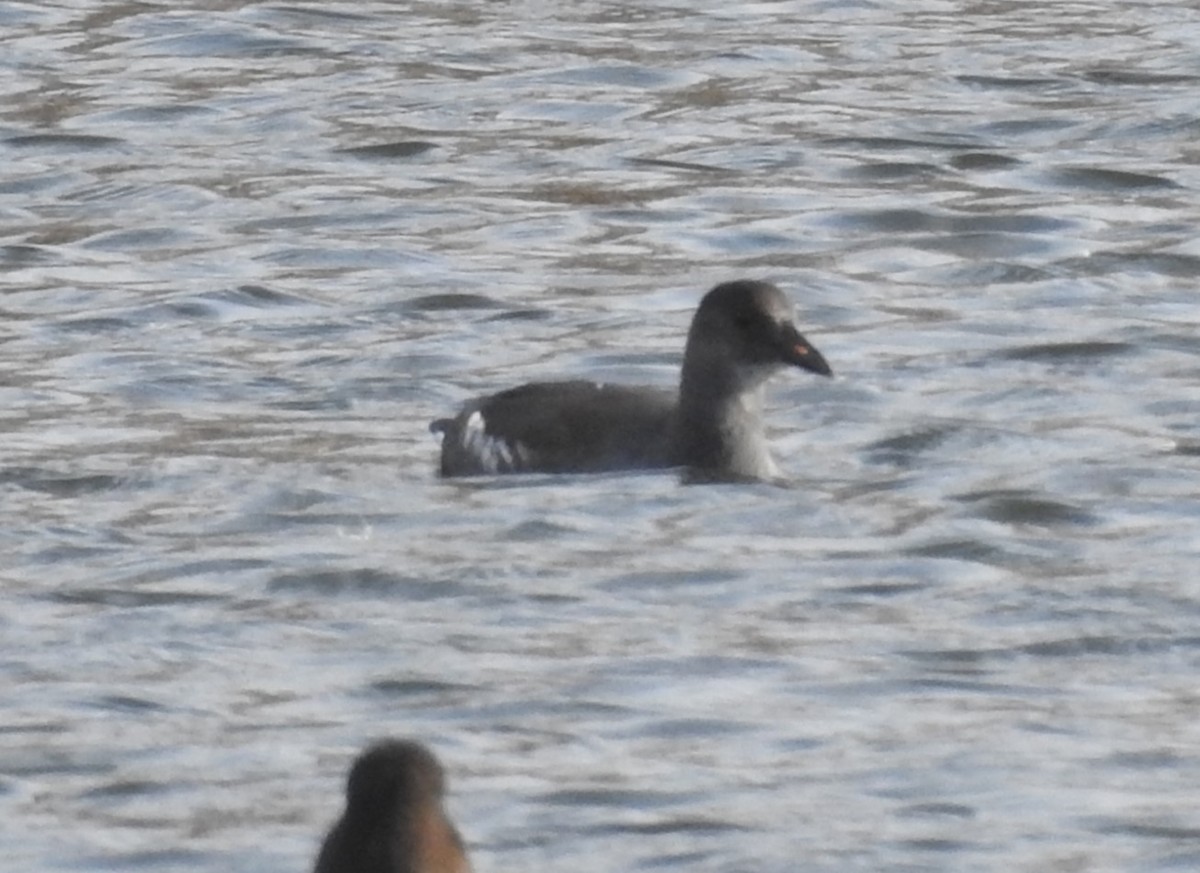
[394, 820]
[742, 333]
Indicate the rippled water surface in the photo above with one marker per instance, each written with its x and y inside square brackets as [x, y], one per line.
[249, 250]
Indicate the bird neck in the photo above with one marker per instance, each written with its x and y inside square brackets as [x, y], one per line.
[719, 426]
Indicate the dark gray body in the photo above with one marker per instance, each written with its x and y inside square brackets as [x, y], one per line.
[560, 427]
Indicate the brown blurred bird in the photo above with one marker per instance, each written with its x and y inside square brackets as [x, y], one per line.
[394, 820]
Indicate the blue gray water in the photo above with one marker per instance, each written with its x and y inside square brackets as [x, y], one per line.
[250, 249]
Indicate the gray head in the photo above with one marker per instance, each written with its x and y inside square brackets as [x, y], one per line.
[741, 334]
[744, 329]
